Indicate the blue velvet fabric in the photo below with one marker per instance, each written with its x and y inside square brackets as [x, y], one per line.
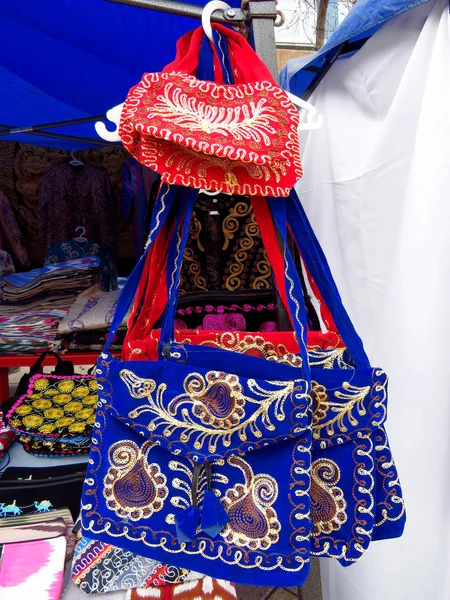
[300, 458]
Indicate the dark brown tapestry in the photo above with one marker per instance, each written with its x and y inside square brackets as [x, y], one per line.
[22, 167]
[224, 250]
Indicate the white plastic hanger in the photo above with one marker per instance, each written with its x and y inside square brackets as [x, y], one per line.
[82, 237]
[313, 120]
[75, 162]
[112, 115]
[207, 13]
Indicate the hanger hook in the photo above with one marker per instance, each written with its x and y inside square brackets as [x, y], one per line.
[207, 13]
[112, 115]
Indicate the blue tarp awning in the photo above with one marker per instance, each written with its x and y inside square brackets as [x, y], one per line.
[69, 59]
[361, 23]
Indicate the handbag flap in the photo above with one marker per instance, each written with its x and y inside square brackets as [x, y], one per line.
[206, 413]
[346, 402]
[239, 139]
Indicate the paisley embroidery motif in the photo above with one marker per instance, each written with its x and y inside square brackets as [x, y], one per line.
[133, 488]
[217, 400]
[328, 504]
[253, 522]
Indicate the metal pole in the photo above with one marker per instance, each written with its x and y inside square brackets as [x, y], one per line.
[184, 9]
[4, 130]
[60, 136]
[262, 17]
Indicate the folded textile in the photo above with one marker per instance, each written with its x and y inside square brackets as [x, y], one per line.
[32, 304]
[93, 340]
[73, 248]
[73, 274]
[93, 309]
[32, 531]
[33, 569]
[29, 331]
[73, 592]
[91, 569]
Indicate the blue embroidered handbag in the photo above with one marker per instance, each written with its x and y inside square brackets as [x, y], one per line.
[173, 436]
[348, 432]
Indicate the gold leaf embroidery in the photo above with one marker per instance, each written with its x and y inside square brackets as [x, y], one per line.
[330, 415]
[247, 121]
[212, 409]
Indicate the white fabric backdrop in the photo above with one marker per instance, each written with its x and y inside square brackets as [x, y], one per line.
[377, 190]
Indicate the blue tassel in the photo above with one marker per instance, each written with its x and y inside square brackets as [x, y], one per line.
[214, 516]
[186, 524]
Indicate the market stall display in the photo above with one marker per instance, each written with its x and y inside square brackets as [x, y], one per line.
[232, 426]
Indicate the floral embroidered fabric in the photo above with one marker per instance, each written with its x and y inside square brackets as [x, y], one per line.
[73, 249]
[92, 310]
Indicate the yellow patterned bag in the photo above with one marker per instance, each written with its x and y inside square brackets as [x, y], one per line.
[56, 415]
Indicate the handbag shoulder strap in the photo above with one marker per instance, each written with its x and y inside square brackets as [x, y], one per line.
[62, 367]
[288, 284]
[245, 64]
[161, 211]
[317, 265]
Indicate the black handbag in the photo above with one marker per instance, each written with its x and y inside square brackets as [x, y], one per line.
[26, 491]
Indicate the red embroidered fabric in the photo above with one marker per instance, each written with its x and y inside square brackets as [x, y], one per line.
[237, 139]
[269, 345]
[142, 339]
